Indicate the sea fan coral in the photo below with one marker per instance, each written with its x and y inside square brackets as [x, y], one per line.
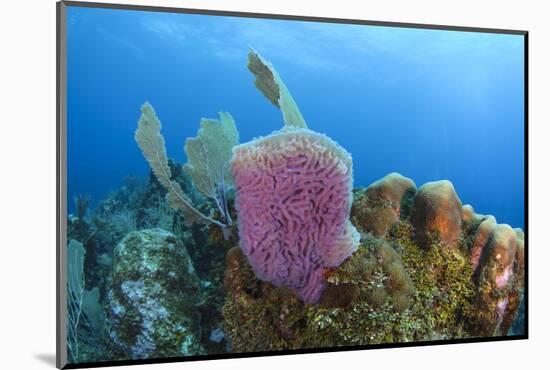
[208, 154]
[151, 143]
[274, 89]
[294, 196]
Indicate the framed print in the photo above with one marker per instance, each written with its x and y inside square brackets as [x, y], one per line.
[235, 184]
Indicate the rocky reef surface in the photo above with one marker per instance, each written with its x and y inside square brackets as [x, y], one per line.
[427, 268]
[152, 297]
[160, 282]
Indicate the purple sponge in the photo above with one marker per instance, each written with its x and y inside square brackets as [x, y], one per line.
[293, 197]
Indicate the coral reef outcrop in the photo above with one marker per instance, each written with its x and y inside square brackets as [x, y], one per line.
[414, 282]
[152, 297]
[499, 278]
[311, 267]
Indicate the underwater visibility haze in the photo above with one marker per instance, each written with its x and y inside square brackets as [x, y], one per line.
[245, 185]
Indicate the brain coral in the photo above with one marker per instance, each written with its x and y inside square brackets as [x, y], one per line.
[293, 195]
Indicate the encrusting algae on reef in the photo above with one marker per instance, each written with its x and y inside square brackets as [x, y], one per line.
[396, 288]
[152, 297]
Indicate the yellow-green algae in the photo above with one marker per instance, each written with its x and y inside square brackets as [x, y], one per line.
[376, 215]
[390, 290]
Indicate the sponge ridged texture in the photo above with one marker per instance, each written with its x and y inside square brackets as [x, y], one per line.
[293, 195]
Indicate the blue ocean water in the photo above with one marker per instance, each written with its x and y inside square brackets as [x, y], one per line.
[429, 104]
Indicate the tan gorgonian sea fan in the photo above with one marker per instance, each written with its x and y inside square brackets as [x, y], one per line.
[208, 156]
[274, 89]
[151, 143]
